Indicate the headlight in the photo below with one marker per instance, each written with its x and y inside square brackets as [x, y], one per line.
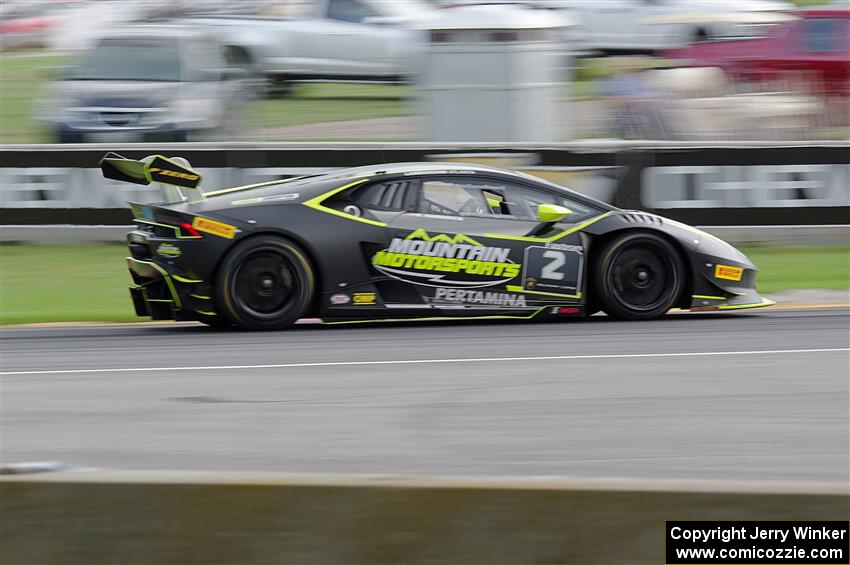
[65, 112]
[194, 110]
[55, 107]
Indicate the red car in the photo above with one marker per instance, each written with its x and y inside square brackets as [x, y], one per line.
[815, 47]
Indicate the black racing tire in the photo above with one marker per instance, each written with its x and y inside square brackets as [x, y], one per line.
[638, 276]
[265, 283]
[279, 86]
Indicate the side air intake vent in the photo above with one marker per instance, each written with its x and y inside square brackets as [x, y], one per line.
[640, 218]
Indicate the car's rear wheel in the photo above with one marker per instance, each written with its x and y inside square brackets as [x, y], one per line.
[265, 283]
[638, 276]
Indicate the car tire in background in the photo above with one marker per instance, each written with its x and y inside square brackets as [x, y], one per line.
[280, 86]
[701, 35]
[265, 283]
[68, 137]
[638, 276]
[256, 83]
[166, 137]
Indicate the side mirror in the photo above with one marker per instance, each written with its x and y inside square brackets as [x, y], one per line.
[495, 204]
[551, 213]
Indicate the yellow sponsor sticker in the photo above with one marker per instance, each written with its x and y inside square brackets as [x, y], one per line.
[175, 174]
[169, 250]
[727, 272]
[364, 297]
[216, 228]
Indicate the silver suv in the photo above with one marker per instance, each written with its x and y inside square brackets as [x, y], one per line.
[147, 83]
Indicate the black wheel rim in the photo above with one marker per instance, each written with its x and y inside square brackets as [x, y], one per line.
[642, 276]
[266, 284]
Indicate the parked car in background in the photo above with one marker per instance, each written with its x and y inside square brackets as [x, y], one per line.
[627, 25]
[340, 40]
[815, 48]
[147, 83]
[28, 24]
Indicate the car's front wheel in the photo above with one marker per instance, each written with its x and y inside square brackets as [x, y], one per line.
[638, 276]
[265, 283]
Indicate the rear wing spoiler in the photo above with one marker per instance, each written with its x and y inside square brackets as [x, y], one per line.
[175, 172]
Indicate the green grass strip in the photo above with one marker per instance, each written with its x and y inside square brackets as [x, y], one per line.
[62, 283]
[800, 267]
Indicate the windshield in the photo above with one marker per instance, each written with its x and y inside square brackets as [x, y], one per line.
[826, 35]
[405, 8]
[132, 59]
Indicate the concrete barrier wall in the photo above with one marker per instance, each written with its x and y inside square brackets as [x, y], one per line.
[197, 518]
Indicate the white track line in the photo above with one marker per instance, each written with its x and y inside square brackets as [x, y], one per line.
[421, 361]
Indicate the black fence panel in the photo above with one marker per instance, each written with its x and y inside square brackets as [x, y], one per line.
[733, 184]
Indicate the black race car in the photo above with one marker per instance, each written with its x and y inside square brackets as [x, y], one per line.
[412, 241]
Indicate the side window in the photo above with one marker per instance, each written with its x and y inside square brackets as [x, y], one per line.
[522, 201]
[203, 59]
[824, 35]
[449, 198]
[348, 11]
[486, 197]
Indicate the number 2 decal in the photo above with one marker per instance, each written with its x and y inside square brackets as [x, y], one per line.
[551, 269]
[556, 261]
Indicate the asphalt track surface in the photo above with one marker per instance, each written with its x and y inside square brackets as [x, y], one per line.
[755, 396]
